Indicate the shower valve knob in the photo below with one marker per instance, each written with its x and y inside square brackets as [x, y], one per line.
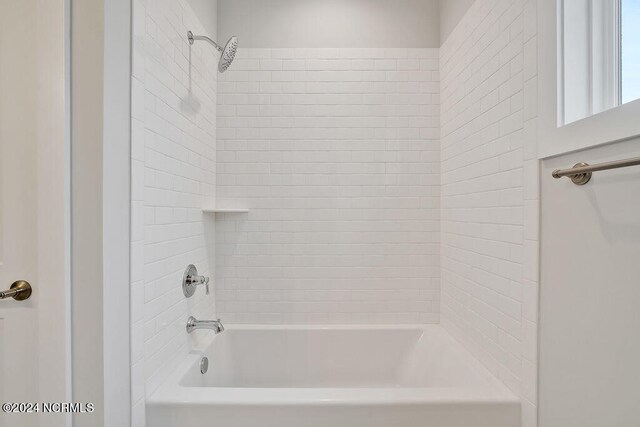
[191, 280]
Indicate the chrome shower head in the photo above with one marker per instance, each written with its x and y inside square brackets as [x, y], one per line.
[227, 54]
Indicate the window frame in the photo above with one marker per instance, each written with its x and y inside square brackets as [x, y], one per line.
[616, 123]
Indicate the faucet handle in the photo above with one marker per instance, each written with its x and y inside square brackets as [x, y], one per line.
[200, 280]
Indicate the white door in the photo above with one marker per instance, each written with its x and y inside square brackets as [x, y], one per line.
[33, 332]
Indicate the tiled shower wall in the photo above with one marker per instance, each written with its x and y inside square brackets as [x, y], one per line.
[335, 152]
[490, 191]
[173, 173]
[337, 155]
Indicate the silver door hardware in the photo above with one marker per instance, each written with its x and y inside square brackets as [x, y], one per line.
[19, 291]
[191, 280]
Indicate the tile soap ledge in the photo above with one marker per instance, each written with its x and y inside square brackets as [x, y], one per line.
[225, 210]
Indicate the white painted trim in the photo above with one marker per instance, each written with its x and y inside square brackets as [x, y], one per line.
[67, 204]
[86, 207]
[605, 61]
[616, 124]
[575, 47]
[559, 64]
[589, 63]
[116, 185]
[100, 184]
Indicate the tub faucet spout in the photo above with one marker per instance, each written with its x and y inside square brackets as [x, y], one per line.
[215, 325]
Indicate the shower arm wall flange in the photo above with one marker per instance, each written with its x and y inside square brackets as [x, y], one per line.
[192, 38]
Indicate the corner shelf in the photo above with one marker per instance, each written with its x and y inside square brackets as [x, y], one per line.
[224, 210]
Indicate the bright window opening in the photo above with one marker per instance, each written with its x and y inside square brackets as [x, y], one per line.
[630, 50]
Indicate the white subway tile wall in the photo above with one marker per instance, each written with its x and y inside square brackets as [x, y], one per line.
[490, 191]
[336, 154]
[173, 173]
[360, 198]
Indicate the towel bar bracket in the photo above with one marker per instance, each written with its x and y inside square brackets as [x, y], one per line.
[581, 178]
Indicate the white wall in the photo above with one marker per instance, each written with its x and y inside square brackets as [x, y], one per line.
[207, 13]
[451, 12]
[330, 23]
[489, 190]
[173, 174]
[336, 154]
[589, 293]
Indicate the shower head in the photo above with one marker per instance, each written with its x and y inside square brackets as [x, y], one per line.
[226, 54]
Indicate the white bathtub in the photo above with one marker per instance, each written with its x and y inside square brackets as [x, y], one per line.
[400, 376]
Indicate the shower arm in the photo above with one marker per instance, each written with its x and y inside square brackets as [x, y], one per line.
[192, 38]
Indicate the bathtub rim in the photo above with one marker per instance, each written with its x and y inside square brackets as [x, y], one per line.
[170, 391]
